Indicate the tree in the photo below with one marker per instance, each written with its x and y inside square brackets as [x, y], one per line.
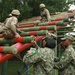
[30, 8]
[56, 5]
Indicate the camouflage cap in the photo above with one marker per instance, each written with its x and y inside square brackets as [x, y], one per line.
[70, 37]
[42, 5]
[15, 12]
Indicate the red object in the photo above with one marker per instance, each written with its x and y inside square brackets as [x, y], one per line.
[20, 47]
[29, 33]
[42, 28]
[1, 49]
[58, 19]
[25, 26]
[52, 23]
[1, 36]
[35, 32]
[19, 39]
[32, 33]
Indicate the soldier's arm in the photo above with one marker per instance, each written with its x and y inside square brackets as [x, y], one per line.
[48, 15]
[13, 26]
[32, 57]
[73, 55]
[64, 61]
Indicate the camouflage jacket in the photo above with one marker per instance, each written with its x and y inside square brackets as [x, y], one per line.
[42, 59]
[12, 23]
[66, 63]
[45, 15]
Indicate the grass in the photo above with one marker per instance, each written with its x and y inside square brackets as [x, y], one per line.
[13, 66]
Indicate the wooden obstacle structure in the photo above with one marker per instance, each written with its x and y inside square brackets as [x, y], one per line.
[24, 42]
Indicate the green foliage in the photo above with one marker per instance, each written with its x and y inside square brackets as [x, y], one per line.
[56, 5]
[30, 8]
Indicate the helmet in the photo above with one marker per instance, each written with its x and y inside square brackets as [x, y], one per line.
[42, 5]
[10, 15]
[15, 12]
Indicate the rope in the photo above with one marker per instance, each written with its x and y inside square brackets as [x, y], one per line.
[18, 56]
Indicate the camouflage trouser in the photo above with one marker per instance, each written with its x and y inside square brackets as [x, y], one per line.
[8, 34]
[2, 29]
[66, 74]
[44, 19]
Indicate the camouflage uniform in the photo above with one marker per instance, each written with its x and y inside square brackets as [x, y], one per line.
[2, 27]
[42, 59]
[10, 15]
[45, 15]
[66, 63]
[12, 24]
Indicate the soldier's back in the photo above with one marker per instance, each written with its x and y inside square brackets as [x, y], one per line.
[47, 61]
[10, 21]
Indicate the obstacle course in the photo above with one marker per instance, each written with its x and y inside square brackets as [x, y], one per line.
[24, 42]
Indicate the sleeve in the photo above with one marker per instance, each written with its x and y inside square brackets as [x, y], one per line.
[13, 26]
[73, 55]
[14, 21]
[48, 15]
[73, 62]
[64, 61]
[32, 58]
